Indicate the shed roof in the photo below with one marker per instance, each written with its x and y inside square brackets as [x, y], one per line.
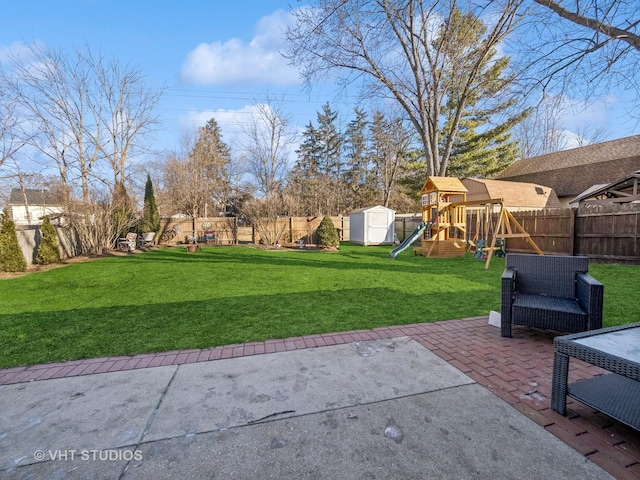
[573, 171]
[366, 209]
[514, 194]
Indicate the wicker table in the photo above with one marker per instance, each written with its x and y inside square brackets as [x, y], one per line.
[616, 349]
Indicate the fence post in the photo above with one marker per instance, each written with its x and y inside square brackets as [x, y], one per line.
[572, 231]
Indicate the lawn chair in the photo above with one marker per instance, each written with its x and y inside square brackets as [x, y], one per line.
[128, 243]
[550, 291]
[210, 237]
[146, 239]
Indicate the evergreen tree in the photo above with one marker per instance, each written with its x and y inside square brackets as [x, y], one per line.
[360, 176]
[326, 234]
[316, 178]
[485, 154]
[11, 257]
[481, 145]
[304, 178]
[209, 160]
[48, 248]
[150, 214]
[330, 143]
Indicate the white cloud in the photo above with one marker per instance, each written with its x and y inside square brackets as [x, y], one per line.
[229, 121]
[17, 50]
[232, 124]
[235, 62]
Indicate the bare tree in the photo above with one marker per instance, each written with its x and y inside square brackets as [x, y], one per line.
[409, 50]
[197, 180]
[542, 131]
[599, 16]
[123, 106]
[88, 116]
[266, 150]
[268, 216]
[53, 88]
[590, 47]
[389, 151]
[545, 131]
[12, 134]
[89, 113]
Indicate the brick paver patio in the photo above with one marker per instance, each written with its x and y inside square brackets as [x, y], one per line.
[518, 370]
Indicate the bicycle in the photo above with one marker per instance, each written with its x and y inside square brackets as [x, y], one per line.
[169, 235]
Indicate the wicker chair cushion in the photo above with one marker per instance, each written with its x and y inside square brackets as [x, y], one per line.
[544, 311]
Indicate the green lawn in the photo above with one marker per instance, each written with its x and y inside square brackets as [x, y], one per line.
[169, 299]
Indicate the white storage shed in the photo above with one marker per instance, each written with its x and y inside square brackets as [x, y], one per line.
[372, 225]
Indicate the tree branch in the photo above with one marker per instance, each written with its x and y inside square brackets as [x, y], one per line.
[624, 35]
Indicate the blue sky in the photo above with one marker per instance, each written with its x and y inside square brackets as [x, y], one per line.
[216, 58]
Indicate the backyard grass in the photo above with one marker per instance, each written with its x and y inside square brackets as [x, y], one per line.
[168, 299]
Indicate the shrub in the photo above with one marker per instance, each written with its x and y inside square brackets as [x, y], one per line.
[326, 234]
[11, 257]
[49, 248]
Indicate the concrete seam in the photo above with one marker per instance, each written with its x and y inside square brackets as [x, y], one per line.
[152, 417]
[277, 416]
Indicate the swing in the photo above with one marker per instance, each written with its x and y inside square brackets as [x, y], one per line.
[479, 254]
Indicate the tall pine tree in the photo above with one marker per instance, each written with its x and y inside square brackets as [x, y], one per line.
[317, 177]
[360, 175]
[150, 214]
[482, 145]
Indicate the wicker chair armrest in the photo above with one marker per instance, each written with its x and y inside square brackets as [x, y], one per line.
[508, 279]
[590, 296]
[508, 291]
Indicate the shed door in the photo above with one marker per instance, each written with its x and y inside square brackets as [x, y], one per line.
[378, 227]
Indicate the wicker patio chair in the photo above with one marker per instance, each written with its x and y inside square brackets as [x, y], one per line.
[550, 291]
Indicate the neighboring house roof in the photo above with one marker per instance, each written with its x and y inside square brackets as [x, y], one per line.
[514, 194]
[571, 172]
[34, 197]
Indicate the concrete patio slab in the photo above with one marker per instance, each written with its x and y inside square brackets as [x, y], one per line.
[461, 432]
[93, 412]
[371, 409]
[214, 395]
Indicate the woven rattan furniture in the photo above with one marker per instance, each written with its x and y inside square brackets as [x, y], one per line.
[616, 349]
[550, 291]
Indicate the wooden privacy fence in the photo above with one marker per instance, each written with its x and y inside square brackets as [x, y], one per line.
[29, 238]
[229, 230]
[550, 229]
[608, 233]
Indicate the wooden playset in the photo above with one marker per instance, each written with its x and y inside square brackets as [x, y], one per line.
[444, 211]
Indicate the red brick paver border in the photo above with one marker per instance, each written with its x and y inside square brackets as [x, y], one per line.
[518, 370]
